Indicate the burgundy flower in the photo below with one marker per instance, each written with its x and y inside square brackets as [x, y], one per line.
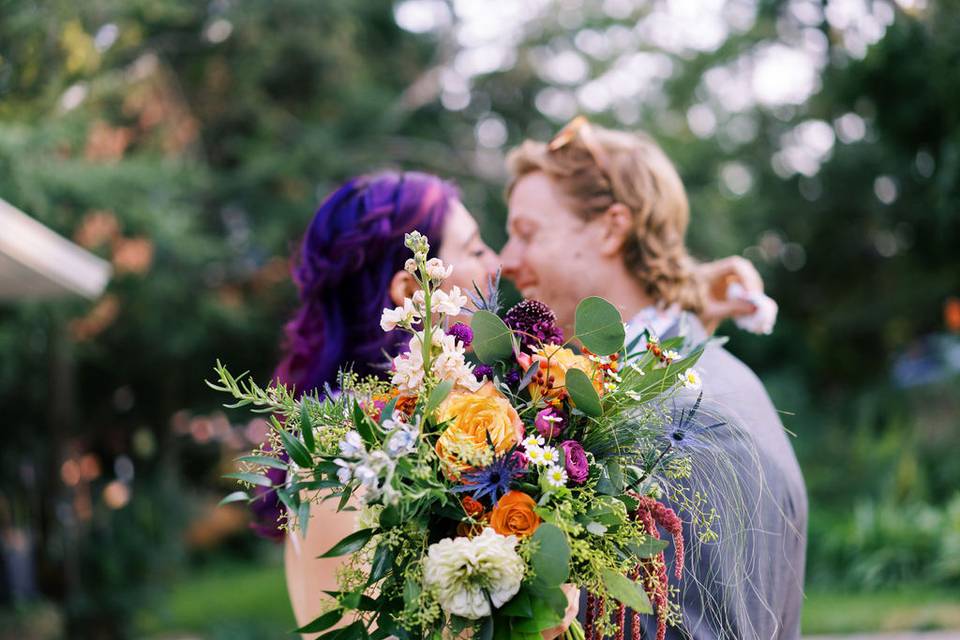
[535, 323]
[550, 422]
[461, 332]
[575, 460]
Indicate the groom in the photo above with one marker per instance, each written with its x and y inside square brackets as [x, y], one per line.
[604, 213]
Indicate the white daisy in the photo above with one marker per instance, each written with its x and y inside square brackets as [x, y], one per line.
[690, 379]
[535, 455]
[550, 456]
[533, 441]
[556, 476]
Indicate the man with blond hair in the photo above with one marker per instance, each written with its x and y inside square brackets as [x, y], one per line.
[604, 213]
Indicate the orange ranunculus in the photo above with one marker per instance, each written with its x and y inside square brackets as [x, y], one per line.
[473, 416]
[551, 378]
[514, 515]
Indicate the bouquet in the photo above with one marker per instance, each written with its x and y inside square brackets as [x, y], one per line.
[484, 481]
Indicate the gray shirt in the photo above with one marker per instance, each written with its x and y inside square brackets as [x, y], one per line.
[749, 582]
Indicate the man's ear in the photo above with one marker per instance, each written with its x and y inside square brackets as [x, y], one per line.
[617, 227]
[402, 285]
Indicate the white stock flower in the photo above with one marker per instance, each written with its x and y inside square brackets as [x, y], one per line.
[408, 371]
[690, 379]
[438, 271]
[400, 315]
[448, 303]
[410, 266]
[463, 571]
[345, 472]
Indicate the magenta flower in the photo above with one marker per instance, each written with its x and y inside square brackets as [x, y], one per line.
[461, 332]
[575, 461]
[550, 422]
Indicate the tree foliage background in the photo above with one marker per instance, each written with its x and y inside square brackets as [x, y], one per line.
[188, 143]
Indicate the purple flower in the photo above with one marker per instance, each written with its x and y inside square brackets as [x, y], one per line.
[520, 460]
[535, 323]
[461, 332]
[575, 460]
[512, 377]
[482, 371]
[550, 422]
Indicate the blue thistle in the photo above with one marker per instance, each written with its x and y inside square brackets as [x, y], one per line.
[493, 480]
[685, 431]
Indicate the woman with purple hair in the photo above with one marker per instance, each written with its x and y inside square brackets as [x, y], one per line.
[349, 267]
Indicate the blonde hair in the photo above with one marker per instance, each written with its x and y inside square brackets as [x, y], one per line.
[596, 168]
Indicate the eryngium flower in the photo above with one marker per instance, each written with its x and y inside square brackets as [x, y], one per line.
[535, 322]
[463, 571]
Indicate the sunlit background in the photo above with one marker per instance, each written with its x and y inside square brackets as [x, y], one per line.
[182, 147]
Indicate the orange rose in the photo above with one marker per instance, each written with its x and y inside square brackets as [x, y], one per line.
[473, 417]
[473, 507]
[514, 515]
[551, 378]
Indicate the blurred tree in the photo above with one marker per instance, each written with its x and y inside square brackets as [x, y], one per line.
[189, 142]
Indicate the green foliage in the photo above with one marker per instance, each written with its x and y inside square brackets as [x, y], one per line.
[492, 339]
[599, 326]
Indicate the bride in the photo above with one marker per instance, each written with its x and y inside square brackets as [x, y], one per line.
[349, 267]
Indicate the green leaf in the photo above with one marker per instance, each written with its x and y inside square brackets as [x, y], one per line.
[363, 425]
[549, 612]
[236, 496]
[615, 474]
[486, 629]
[382, 563]
[306, 428]
[437, 396]
[264, 461]
[303, 518]
[551, 561]
[351, 544]
[252, 478]
[598, 326]
[295, 449]
[519, 606]
[626, 591]
[649, 547]
[323, 622]
[657, 381]
[387, 412]
[492, 339]
[582, 393]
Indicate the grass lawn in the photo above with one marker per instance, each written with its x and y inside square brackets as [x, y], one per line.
[249, 602]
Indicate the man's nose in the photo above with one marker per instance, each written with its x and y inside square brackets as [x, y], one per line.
[509, 259]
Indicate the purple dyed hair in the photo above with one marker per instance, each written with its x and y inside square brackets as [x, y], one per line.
[350, 253]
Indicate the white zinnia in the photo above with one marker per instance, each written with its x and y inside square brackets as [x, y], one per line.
[462, 571]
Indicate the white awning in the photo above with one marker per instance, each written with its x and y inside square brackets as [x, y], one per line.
[36, 263]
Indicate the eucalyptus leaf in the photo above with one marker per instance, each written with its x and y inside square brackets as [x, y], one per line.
[649, 547]
[626, 591]
[582, 393]
[492, 339]
[598, 326]
[551, 560]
